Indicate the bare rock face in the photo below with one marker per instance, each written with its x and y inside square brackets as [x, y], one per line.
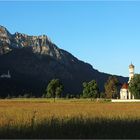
[34, 60]
[5, 40]
[5, 36]
[39, 44]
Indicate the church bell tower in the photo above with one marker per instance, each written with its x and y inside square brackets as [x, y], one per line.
[131, 75]
[131, 72]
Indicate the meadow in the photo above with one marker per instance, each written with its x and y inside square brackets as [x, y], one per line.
[75, 118]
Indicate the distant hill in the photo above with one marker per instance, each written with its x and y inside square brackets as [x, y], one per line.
[34, 60]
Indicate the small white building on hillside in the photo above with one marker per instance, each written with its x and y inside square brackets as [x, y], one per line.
[6, 75]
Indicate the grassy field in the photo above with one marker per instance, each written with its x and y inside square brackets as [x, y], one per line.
[42, 118]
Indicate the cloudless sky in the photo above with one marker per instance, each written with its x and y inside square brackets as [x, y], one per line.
[104, 34]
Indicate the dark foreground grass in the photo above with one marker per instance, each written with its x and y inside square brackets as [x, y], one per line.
[75, 128]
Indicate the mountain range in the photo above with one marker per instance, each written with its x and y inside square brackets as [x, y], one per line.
[33, 61]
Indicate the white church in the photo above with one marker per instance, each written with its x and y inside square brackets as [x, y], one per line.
[124, 92]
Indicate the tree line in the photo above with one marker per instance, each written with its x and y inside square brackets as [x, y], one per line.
[91, 89]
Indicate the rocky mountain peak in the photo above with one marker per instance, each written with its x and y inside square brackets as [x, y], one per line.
[4, 35]
[3, 29]
[40, 45]
[5, 40]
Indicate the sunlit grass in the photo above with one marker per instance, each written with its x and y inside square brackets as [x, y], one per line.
[23, 115]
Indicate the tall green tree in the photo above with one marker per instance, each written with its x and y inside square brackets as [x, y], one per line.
[111, 87]
[90, 89]
[54, 89]
[134, 86]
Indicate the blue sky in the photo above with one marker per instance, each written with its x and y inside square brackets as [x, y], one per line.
[104, 34]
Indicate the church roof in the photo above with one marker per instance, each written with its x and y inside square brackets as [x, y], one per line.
[125, 86]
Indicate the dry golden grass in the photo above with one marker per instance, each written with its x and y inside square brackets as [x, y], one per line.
[21, 112]
[42, 118]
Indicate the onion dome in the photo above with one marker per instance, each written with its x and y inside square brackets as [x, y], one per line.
[131, 66]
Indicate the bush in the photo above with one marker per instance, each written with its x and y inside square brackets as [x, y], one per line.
[26, 95]
[102, 95]
[43, 96]
[8, 96]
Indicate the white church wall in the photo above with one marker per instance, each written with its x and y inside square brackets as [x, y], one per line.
[123, 94]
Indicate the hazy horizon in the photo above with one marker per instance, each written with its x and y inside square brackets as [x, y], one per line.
[104, 34]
